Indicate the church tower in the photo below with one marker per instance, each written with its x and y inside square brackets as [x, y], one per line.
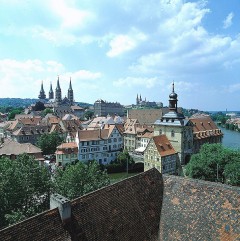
[177, 129]
[51, 94]
[42, 95]
[70, 93]
[137, 100]
[58, 93]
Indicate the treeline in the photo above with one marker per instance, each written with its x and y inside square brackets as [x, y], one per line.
[25, 102]
[215, 163]
[16, 102]
[25, 186]
[220, 117]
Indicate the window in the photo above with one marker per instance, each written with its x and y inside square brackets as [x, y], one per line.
[172, 133]
[160, 132]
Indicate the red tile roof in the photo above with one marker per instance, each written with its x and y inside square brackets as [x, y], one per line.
[163, 145]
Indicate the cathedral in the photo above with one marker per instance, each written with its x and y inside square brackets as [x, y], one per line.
[60, 106]
[58, 101]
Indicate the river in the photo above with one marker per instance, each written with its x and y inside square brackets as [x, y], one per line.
[231, 138]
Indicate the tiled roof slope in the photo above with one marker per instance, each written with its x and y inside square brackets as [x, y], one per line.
[187, 209]
[199, 210]
[203, 124]
[127, 210]
[45, 226]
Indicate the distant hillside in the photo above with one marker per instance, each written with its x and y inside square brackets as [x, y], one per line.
[18, 102]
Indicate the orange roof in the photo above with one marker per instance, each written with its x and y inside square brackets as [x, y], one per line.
[68, 145]
[89, 135]
[163, 145]
[204, 127]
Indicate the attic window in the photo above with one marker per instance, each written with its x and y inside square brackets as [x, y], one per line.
[162, 147]
[169, 146]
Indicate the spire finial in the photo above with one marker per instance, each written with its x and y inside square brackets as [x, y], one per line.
[173, 86]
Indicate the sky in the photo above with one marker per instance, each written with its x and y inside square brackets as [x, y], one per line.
[114, 50]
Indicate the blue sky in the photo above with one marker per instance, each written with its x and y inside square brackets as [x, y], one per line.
[114, 50]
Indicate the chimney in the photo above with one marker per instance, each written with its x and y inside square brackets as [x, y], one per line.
[63, 205]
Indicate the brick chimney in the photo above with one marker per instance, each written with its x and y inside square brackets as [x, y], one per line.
[63, 205]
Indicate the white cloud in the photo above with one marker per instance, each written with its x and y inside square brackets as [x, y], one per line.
[71, 16]
[84, 75]
[124, 43]
[188, 48]
[228, 20]
[23, 79]
[136, 81]
[120, 44]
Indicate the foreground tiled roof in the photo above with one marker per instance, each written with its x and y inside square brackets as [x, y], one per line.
[146, 207]
[128, 210]
[199, 210]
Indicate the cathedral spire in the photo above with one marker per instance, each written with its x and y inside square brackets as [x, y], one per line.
[58, 93]
[42, 95]
[70, 84]
[137, 100]
[70, 92]
[51, 94]
[58, 85]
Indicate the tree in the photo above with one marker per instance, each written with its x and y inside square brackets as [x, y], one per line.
[215, 163]
[24, 189]
[88, 114]
[79, 179]
[124, 159]
[14, 112]
[47, 111]
[49, 142]
[232, 173]
[39, 106]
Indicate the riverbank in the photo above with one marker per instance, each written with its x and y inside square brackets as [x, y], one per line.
[231, 138]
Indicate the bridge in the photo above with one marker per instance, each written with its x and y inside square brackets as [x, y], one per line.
[137, 157]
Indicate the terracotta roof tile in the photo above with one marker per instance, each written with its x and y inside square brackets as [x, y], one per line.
[88, 135]
[163, 145]
[132, 209]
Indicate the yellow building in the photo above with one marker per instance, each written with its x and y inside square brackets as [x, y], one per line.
[66, 153]
[178, 130]
[160, 154]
